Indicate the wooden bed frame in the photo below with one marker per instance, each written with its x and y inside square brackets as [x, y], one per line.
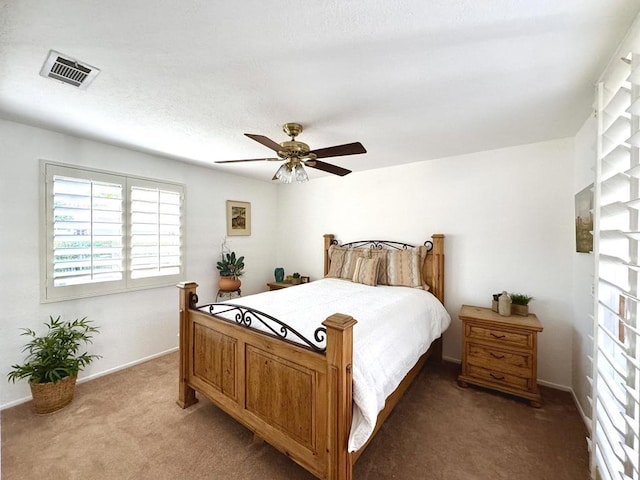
[298, 400]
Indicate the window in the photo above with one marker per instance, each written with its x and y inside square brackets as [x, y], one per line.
[615, 447]
[107, 233]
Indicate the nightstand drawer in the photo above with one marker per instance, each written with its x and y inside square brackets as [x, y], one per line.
[499, 378]
[500, 337]
[519, 364]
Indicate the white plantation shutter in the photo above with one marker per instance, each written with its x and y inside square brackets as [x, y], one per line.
[156, 235]
[616, 368]
[107, 233]
[87, 236]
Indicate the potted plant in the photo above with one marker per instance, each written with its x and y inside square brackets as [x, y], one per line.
[295, 280]
[230, 267]
[520, 303]
[53, 362]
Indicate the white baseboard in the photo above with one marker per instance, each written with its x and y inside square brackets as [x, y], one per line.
[585, 418]
[98, 375]
[557, 386]
[127, 365]
[452, 360]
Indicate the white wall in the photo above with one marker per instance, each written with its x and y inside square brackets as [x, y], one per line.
[583, 271]
[507, 216]
[134, 325]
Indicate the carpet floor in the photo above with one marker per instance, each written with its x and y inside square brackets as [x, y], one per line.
[127, 426]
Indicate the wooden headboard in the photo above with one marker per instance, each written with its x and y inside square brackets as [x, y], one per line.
[432, 269]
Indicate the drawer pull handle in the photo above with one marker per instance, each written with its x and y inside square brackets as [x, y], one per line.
[497, 336]
[494, 355]
[497, 377]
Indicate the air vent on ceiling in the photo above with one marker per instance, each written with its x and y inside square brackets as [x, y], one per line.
[68, 70]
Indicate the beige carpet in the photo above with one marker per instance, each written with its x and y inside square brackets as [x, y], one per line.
[128, 426]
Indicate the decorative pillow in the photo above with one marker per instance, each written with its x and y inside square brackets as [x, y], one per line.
[381, 255]
[336, 260]
[343, 260]
[404, 267]
[366, 271]
[423, 258]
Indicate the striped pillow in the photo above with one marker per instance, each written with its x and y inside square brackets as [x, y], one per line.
[366, 271]
[404, 267]
[336, 260]
[381, 255]
[343, 261]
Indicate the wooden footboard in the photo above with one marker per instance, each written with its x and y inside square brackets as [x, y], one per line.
[298, 400]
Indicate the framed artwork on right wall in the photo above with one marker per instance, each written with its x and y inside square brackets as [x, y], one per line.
[584, 220]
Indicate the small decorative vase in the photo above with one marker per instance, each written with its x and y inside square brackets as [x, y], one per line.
[279, 274]
[504, 305]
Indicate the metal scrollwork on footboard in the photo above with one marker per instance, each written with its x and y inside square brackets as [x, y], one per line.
[246, 316]
[380, 244]
[193, 300]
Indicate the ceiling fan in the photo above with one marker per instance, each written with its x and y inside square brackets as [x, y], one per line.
[296, 154]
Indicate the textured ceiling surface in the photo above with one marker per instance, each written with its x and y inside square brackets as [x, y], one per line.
[412, 80]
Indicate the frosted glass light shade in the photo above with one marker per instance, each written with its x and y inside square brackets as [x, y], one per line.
[284, 173]
[301, 175]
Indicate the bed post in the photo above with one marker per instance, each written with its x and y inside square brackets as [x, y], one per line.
[328, 238]
[339, 356]
[435, 263]
[186, 394]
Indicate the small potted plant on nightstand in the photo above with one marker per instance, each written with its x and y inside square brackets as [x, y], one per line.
[295, 280]
[520, 304]
[230, 268]
[53, 362]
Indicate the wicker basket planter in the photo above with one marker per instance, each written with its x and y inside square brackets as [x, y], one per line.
[52, 396]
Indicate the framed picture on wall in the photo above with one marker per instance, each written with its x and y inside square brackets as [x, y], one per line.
[584, 220]
[238, 218]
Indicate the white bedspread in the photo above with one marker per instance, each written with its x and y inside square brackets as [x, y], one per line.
[396, 325]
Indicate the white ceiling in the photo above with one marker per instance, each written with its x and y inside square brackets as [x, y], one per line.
[411, 80]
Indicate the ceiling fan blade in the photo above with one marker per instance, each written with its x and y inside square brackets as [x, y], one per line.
[248, 160]
[267, 142]
[327, 167]
[340, 150]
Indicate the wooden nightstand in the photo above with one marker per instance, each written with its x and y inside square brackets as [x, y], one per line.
[500, 352]
[279, 285]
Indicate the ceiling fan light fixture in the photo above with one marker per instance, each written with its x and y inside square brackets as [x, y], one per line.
[284, 173]
[301, 174]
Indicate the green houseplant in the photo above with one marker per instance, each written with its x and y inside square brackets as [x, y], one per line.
[230, 267]
[53, 362]
[520, 303]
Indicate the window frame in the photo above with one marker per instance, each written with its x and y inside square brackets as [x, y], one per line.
[49, 292]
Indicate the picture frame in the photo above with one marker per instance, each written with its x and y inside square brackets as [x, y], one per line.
[304, 279]
[238, 218]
